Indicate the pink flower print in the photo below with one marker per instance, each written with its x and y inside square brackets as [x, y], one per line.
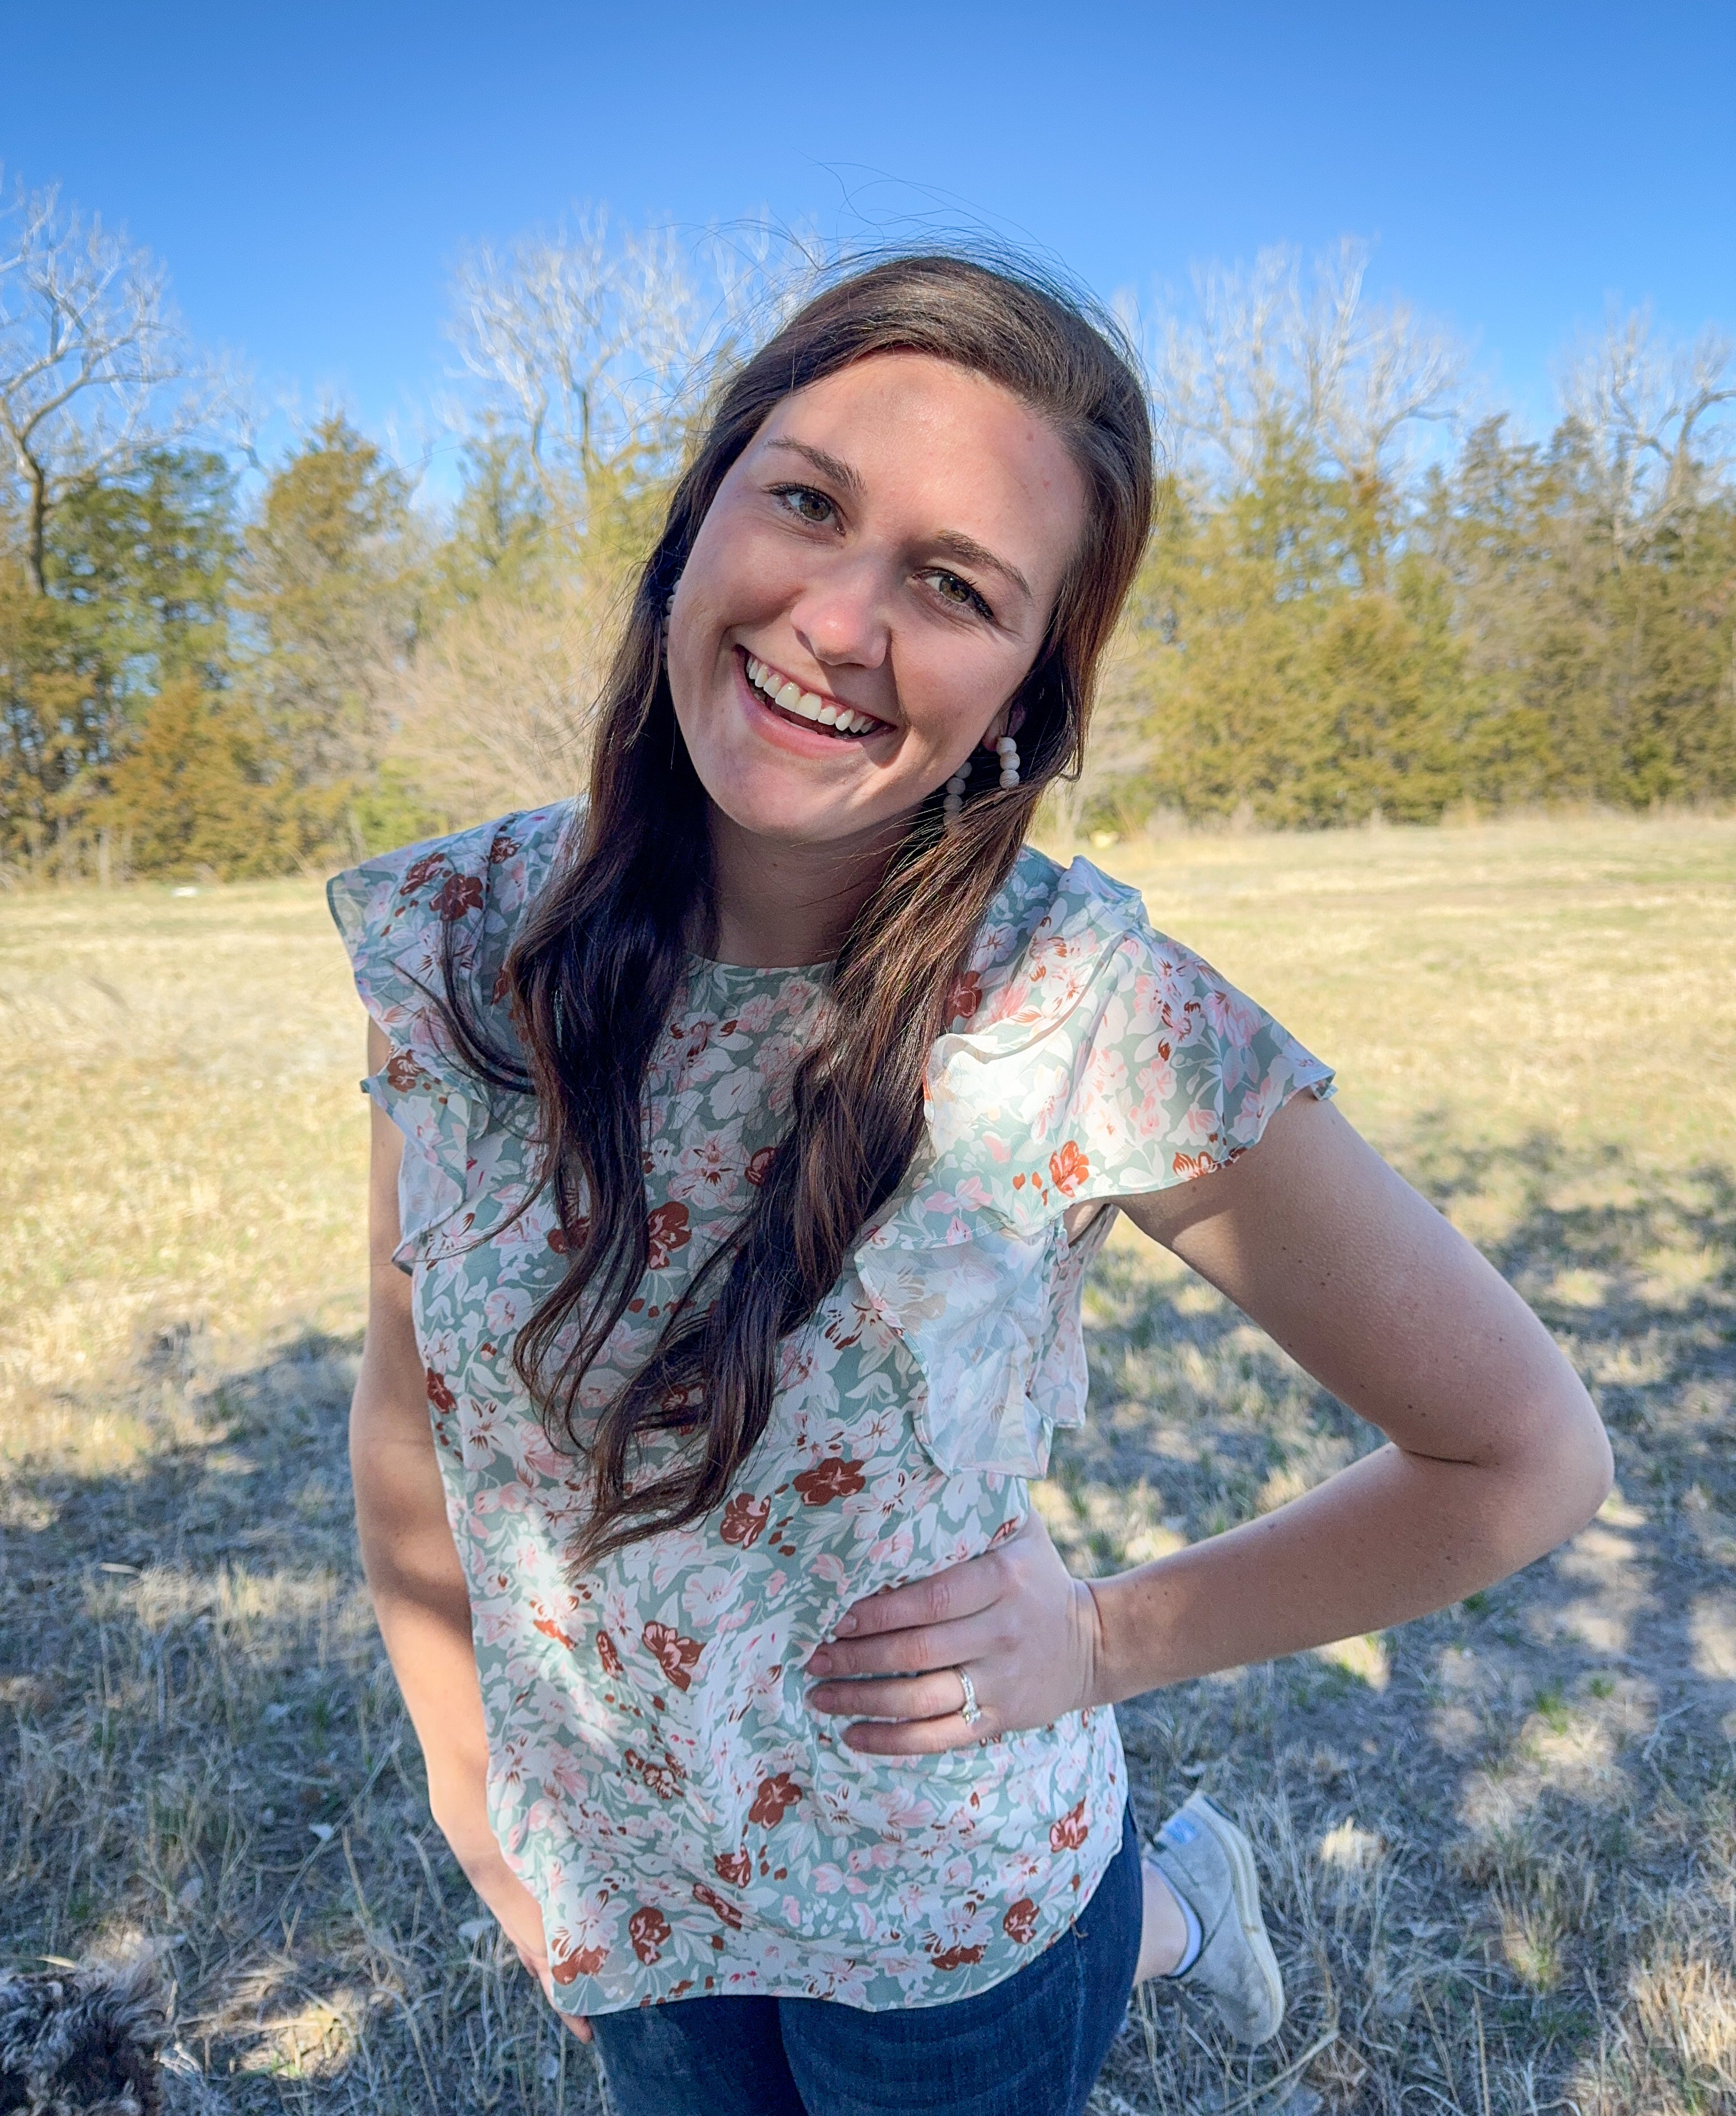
[735, 1091]
[502, 1309]
[707, 1168]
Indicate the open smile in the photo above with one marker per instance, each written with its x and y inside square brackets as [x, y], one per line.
[783, 696]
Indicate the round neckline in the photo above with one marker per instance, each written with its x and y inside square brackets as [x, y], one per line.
[812, 973]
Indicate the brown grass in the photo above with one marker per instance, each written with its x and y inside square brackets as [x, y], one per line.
[1499, 1846]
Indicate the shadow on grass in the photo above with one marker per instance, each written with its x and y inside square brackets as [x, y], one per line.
[1500, 1841]
[1499, 1845]
[205, 1751]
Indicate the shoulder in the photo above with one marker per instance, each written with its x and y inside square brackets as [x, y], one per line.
[1050, 930]
[398, 912]
[1094, 1056]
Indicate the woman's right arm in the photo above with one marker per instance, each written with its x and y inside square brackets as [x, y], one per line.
[412, 1562]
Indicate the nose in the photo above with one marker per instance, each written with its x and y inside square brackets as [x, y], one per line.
[841, 615]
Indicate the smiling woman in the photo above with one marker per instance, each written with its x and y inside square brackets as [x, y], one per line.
[742, 1138]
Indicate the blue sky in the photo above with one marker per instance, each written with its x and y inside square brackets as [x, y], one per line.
[309, 174]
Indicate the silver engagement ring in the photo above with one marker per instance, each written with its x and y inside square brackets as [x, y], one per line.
[969, 1711]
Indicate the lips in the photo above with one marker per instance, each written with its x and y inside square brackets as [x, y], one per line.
[782, 694]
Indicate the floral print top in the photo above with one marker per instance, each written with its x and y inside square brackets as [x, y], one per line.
[687, 1823]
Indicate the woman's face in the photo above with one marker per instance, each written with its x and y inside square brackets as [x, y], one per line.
[892, 543]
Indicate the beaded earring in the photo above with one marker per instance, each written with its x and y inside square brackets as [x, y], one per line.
[952, 803]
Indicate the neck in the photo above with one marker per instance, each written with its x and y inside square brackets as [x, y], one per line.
[778, 905]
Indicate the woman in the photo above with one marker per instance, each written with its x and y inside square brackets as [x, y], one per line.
[744, 1137]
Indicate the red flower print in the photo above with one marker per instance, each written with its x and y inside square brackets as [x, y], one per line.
[664, 1778]
[564, 1967]
[760, 1166]
[681, 1400]
[439, 1395]
[503, 849]
[712, 1901]
[735, 1867]
[458, 894]
[965, 998]
[953, 1957]
[421, 871]
[833, 1479]
[775, 1795]
[1068, 1169]
[1020, 1925]
[550, 1630]
[607, 1655]
[647, 1928]
[404, 1073]
[745, 1519]
[563, 1241]
[1071, 1831]
[676, 1656]
[669, 1231]
[1191, 1165]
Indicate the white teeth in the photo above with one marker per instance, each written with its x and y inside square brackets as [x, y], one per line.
[806, 704]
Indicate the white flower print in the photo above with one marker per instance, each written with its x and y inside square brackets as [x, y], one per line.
[634, 1806]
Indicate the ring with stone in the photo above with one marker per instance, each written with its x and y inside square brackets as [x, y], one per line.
[969, 1711]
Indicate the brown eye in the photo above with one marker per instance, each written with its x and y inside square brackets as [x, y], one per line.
[805, 504]
[959, 593]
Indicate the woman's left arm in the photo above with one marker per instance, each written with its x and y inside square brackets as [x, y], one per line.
[1496, 1455]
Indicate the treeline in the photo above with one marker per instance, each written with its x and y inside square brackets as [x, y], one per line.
[1359, 599]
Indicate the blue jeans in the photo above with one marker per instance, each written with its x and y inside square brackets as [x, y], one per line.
[1031, 2046]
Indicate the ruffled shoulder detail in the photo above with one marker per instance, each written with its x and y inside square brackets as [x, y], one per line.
[1104, 1061]
[395, 915]
[1089, 1057]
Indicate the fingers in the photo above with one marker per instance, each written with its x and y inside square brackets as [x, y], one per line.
[912, 1737]
[902, 1697]
[961, 1590]
[912, 1652]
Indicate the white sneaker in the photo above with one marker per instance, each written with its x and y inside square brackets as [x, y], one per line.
[1209, 1862]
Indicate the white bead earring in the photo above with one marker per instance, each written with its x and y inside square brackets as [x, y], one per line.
[952, 806]
[1007, 750]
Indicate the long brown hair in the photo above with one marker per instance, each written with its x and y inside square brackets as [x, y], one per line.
[600, 960]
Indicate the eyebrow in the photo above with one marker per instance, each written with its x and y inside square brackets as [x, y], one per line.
[953, 541]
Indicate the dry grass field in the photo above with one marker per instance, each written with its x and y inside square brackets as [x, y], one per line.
[1500, 1845]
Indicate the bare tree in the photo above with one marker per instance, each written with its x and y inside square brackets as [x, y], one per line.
[1657, 419]
[590, 343]
[94, 368]
[1273, 350]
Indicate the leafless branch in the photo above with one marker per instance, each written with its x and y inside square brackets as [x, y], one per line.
[1274, 352]
[94, 366]
[1657, 420]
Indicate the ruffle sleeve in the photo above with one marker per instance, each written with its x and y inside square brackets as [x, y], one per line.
[394, 914]
[1098, 1060]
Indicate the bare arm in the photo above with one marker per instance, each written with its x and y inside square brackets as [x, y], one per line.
[411, 1563]
[1496, 1454]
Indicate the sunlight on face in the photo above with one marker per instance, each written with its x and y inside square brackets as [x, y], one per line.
[887, 550]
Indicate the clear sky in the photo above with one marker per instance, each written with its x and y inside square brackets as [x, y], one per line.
[309, 172]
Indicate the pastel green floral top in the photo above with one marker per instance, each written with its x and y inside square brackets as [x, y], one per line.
[687, 1823]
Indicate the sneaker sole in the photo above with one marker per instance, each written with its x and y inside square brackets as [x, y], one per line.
[1245, 1885]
